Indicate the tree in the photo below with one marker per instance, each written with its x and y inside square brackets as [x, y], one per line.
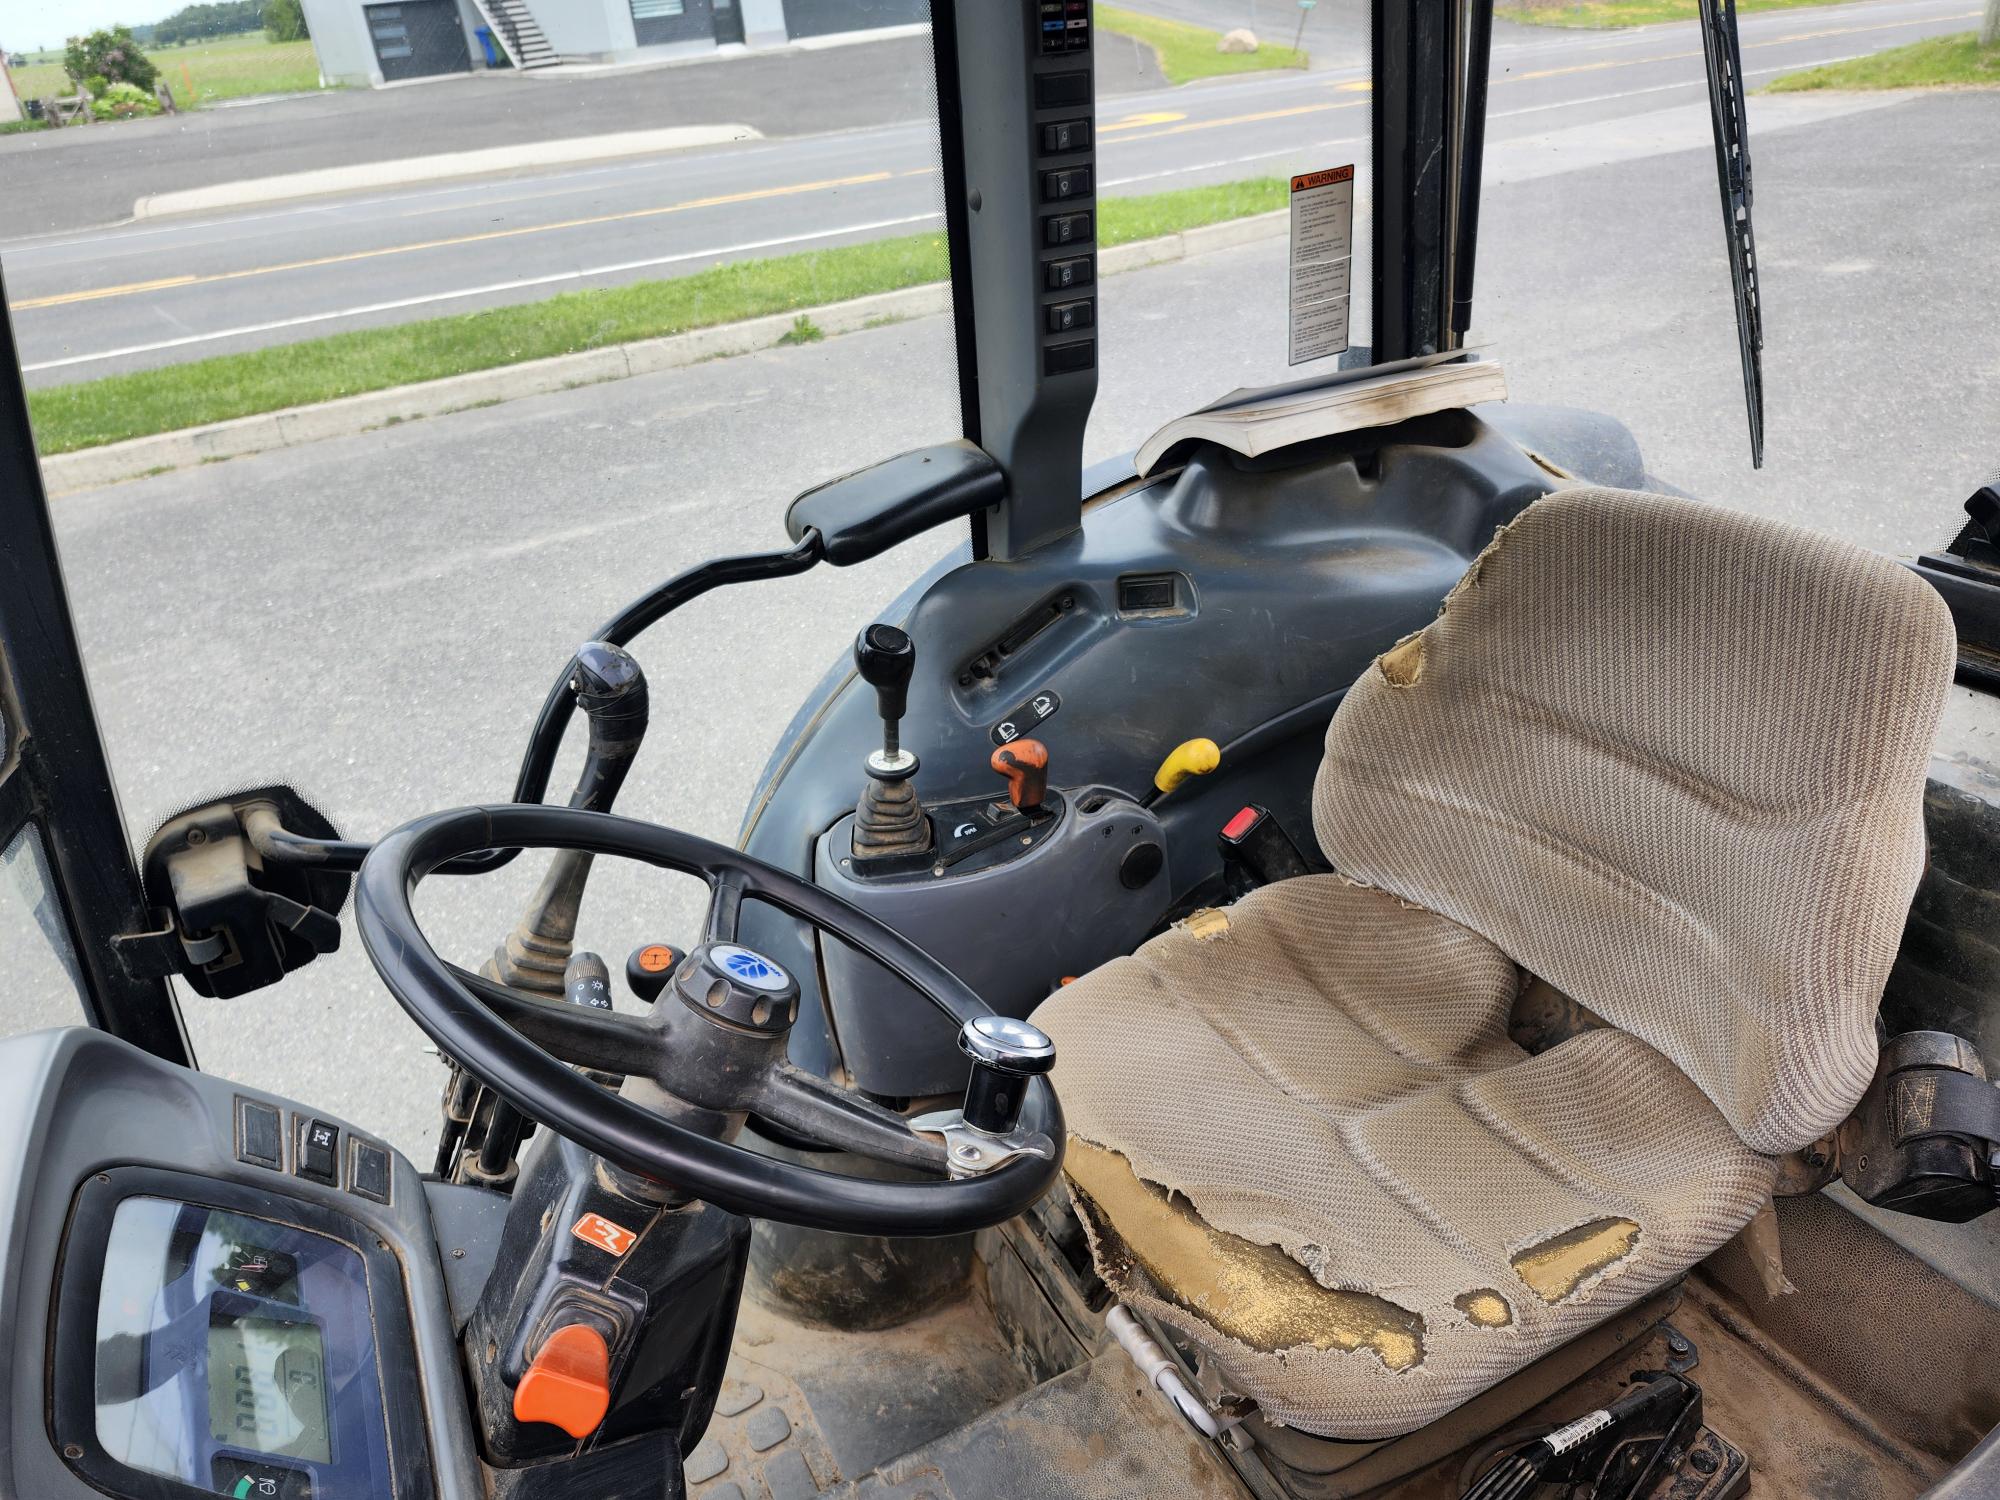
[111, 55]
[285, 20]
[197, 23]
[1989, 29]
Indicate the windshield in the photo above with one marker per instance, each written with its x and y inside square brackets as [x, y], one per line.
[378, 351]
[542, 335]
[1294, 301]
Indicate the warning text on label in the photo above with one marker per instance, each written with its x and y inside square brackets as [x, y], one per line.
[1322, 263]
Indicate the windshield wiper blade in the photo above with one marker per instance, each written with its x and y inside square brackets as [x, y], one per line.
[1724, 52]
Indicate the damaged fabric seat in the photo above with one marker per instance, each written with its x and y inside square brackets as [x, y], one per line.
[1665, 758]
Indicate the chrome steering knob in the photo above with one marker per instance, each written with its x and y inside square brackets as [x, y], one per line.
[1005, 1054]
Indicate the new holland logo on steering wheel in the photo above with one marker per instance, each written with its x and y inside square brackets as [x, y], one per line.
[748, 968]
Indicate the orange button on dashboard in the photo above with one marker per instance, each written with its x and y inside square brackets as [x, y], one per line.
[569, 1382]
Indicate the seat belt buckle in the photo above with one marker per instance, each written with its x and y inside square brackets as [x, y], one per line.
[1256, 850]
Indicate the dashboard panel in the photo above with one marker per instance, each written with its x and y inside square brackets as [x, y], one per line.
[208, 1290]
[212, 1338]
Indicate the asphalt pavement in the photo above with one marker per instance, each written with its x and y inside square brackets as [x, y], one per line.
[61, 181]
[376, 618]
[98, 302]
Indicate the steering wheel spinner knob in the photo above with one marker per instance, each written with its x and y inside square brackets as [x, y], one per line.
[1006, 1053]
[1007, 1044]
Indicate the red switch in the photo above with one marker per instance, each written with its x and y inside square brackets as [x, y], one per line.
[569, 1382]
[1238, 827]
[1025, 764]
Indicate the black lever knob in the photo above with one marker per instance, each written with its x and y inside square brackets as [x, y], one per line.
[611, 689]
[649, 968]
[886, 659]
[1005, 1054]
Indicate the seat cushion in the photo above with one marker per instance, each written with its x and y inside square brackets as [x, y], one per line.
[1671, 758]
[1300, 1135]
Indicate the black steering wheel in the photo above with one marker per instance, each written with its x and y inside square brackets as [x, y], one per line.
[714, 1043]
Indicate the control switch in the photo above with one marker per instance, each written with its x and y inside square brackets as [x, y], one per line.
[1067, 275]
[319, 1151]
[1025, 764]
[260, 1134]
[1070, 317]
[1067, 229]
[568, 1383]
[649, 968]
[1065, 182]
[369, 1171]
[1066, 135]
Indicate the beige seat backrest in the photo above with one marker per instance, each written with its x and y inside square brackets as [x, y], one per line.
[1671, 759]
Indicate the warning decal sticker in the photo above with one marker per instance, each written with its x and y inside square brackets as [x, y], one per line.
[595, 1229]
[1322, 263]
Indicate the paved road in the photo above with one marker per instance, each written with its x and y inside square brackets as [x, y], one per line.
[376, 618]
[161, 292]
[61, 181]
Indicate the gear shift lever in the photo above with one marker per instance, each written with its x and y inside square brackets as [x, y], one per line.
[889, 821]
[611, 691]
[886, 659]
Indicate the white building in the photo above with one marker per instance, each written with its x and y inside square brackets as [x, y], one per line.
[10, 104]
[366, 42]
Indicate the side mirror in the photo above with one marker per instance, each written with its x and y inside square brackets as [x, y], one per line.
[233, 920]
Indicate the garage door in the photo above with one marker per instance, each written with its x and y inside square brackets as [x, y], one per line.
[418, 39]
[820, 17]
[655, 22]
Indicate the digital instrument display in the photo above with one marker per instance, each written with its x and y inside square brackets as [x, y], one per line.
[236, 1354]
[267, 1386]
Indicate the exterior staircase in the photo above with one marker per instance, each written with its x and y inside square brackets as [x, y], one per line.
[520, 36]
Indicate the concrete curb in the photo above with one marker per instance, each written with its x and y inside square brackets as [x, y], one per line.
[140, 458]
[450, 167]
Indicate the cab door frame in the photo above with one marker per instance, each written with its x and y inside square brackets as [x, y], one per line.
[54, 775]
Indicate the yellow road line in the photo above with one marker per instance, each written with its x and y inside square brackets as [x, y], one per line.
[131, 288]
[1138, 122]
[1135, 122]
[1268, 114]
[1598, 67]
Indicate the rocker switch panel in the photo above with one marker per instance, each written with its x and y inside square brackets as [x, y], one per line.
[1026, 71]
[1066, 185]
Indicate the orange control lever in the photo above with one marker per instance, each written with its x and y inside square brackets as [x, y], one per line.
[568, 1383]
[1025, 764]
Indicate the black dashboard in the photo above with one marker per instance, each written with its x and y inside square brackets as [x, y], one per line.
[209, 1290]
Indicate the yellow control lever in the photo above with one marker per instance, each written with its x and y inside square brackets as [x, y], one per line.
[1189, 758]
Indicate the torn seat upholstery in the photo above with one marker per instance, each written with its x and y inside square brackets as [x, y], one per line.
[1667, 758]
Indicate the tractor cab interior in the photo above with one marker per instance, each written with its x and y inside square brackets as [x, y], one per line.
[1366, 947]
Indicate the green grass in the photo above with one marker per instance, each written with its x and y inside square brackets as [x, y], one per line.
[1939, 62]
[202, 72]
[803, 331]
[117, 407]
[1599, 15]
[1187, 52]
[22, 127]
